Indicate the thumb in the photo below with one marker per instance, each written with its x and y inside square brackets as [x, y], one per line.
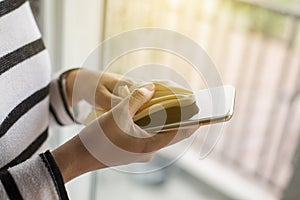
[139, 97]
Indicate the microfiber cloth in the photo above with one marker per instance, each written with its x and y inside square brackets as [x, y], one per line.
[170, 103]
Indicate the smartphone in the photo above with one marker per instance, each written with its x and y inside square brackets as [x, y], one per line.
[215, 105]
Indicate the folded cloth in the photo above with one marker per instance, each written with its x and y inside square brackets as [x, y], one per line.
[170, 103]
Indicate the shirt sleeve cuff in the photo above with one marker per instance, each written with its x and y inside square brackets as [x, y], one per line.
[36, 178]
[55, 174]
[59, 108]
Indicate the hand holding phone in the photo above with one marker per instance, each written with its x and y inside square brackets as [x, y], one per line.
[173, 107]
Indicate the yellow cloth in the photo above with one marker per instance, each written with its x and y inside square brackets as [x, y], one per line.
[170, 103]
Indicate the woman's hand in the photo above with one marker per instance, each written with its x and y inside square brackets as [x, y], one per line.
[97, 88]
[114, 139]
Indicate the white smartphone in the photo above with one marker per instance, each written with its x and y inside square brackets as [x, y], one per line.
[215, 105]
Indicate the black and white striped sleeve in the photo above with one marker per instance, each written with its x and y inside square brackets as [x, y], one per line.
[60, 112]
[24, 88]
[36, 178]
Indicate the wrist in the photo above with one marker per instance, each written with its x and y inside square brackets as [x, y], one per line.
[73, 159]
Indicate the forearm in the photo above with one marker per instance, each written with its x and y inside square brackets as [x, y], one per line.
[74, 160]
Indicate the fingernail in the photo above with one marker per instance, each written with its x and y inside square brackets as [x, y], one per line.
[149, 87]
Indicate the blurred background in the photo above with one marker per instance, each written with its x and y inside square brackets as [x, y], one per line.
[255, 45]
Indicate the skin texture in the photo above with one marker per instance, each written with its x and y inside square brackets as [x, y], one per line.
[97, 88]
[73, 158]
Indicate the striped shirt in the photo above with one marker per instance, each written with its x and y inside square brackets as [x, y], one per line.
[30, 101]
